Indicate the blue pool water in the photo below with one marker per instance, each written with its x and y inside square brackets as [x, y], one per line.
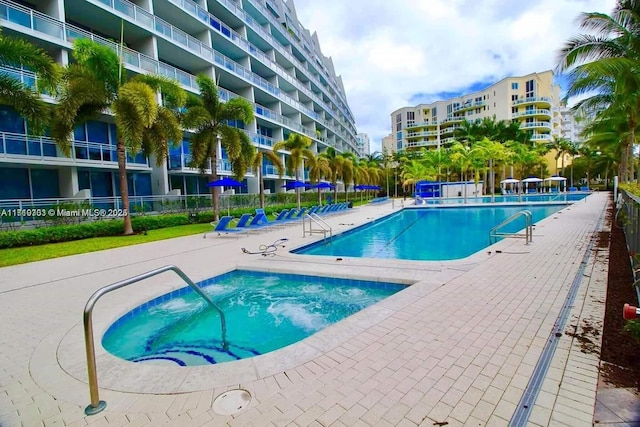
[513, 198]
[427, 234]
[264, 312]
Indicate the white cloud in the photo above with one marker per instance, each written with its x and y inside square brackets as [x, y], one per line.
[388, 51]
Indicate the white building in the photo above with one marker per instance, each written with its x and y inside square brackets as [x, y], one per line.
[363, 145]
[255, 49]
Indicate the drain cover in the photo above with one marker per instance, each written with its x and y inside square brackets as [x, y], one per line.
[231, 402]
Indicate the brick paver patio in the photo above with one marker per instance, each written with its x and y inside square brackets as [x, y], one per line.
[458, 346]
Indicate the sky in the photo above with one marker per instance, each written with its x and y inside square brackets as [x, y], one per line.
[399, 53]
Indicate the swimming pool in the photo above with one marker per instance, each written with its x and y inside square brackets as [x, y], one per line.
[512, 198]
[264, 312]
[427, 234]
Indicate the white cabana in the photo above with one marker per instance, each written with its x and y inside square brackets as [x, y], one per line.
[559, 180]
[509, 185]
[532, 179]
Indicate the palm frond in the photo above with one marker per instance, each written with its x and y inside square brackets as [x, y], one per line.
[27, 103]
[142, 100]
[172, 94]
[237, 109]
[101, 61]
[18, 52]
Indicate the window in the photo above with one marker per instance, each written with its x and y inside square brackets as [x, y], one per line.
[530, 89]
[514, 110]
[411, 115]
[514, 97]
[514, 86]
[398, 122]
[434, 112]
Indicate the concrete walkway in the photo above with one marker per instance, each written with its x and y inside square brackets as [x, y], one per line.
[460, 345]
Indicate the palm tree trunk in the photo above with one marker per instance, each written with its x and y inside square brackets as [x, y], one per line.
[319, 196]
[214, 190]
[124, 189]
[261, 183]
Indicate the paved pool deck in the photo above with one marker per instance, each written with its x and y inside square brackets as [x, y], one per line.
[459, 345]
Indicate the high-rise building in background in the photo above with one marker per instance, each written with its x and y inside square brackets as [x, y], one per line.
[533, 100]
[364, 145]
[255, 49]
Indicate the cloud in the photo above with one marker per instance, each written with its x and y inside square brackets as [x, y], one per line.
[398, 53]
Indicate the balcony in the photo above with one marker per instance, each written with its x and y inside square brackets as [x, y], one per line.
[414, 144]
[422, 134]
[536, 125]
[426, 123]
[469, 105]
[449, 129]
[540, 137]
[533, 113]
[538, 101]
[39, 149]
[451, 120]
[179, 162]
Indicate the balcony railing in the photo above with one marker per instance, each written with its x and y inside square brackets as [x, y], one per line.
[13, 145]
[536, 100]
[532, 113]
[180, 161]
[527, 125]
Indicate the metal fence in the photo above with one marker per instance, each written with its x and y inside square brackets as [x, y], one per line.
[628, 217]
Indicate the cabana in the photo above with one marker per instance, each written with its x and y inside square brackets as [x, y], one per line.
[531, 179]
[510, 185]
[559, 180]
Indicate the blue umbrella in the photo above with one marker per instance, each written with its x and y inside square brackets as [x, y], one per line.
[225, 182]
[323, 185]
[296, 184]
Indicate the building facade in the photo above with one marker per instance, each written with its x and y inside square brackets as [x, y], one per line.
[533, 100]
[363, 145]
[255, 49]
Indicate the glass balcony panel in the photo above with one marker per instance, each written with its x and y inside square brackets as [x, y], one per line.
[33, 147]
[17, 17]
[122, 7]
[47, 26]
[81, 152]
[49, 149]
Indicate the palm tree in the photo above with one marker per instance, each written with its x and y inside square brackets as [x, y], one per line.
[460, 155]
[608, 62]
[257, 165]
[298, 147]
[95, 82]
[335, 161]
[16, 52]
[209, 118]
[319, 171]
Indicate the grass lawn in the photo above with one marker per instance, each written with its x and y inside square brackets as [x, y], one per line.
[13, 256]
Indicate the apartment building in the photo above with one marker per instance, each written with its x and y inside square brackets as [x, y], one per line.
[363, 145]
[255, 49]
[533, 100]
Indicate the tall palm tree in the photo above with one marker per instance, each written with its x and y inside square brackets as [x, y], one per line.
[461, 157]
[209, 118]
[319, 171]
[96, 82]
[274, 158]
[17, 52]
[335, 161]
[298, 147]
[606, 60]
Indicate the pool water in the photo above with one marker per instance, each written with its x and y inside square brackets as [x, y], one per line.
[264, 312]
[427, 234]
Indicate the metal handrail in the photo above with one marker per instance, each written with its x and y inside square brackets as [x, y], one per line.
[98, 405]
[319, 222]
[528, 229]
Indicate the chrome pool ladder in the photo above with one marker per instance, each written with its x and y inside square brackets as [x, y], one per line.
[98, 405]
[494, 234]
[322, 225]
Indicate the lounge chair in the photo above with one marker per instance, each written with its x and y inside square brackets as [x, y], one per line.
[584, 189]
[222, 227]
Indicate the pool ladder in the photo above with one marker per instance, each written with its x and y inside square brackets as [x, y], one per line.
[322, 225]
[98, 405]
[494, 234]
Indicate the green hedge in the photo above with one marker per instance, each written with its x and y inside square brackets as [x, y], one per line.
[114, 227]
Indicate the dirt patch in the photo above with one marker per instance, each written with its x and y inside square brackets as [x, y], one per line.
[620, 352]
[585, 334]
